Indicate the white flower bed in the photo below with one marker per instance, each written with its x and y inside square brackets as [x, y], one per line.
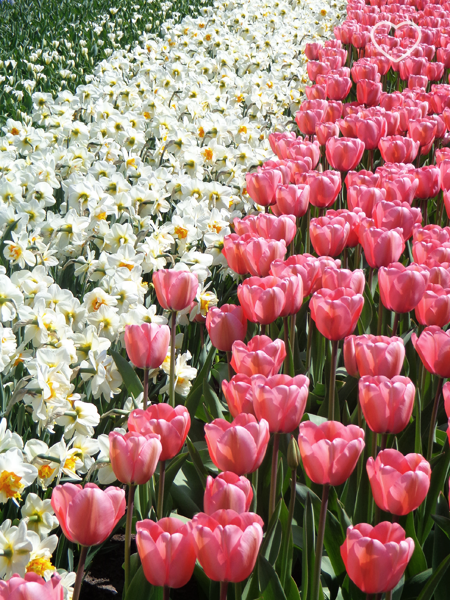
[143, 167]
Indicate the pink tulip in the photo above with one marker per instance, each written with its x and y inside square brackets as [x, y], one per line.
[262, 299]
[234, 249]
[268, 226]
[134, 457]
[292, 199]
[381, 246]
[88, 516]
[329, 236]
[260, 253]
[239, 395]
[376, 557]
[175, 290]
[238, 446]
[262, 185]
[365, 198]
[31, 587]
[261, 356]
[397, 214]
[399, 483]
[227, 491]
[433, 347]
[434, 307]
[386, 404]
[324, 188]
[332, 279]
[336, 312]
[401, 288]
[167, 551]
[344, 154]
[280, 400]
[147, 344]
[172, 424]
[330, 450]
[373, 355]
[225, 325]
[227, 544]
[305, 265]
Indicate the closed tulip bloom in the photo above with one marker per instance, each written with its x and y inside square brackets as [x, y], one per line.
[303, 149]
[171, 424]
[261, 356]
[364, 70]
[324, 188]
[434, 307]
[227, 491]
[307, 120]
[375, 558]
[312, 50]
[305, 265]
[315, 68]
[336, 312]
[428, 178]
[402, 288]
[344, 154]
[382, 246]
[399, 483]
[31, 587]
[260, 253]
[238, 446]
[422, 131]
[338, 87]
[282, 228]
[134, 457]
[371, 130]
[373, 355]
[280, 400]
[362, 177]
[324, 131]
[330, 450]
[292, 288]
[332, 279]
[365, 198]
[433, 347]
[88, 516]
[262, 299]
[262, 185]
[277, 141]
[292, 199]
[398, 149]
[175, 290]
[402, 189]
[239, 395]
[353, 219]
[234, 249]
[368, 92]
[329, 236]
[434, 71]
[386, 404]
[227, 544]
[397, 214]
[167, 551]
[225, 325]
[147, 344]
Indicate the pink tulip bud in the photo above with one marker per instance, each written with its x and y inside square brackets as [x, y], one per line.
[234, 248]
[31, 587]
[324, 188]
[305, 265]
[386, 404]
[292, 199]
[433, 347]
[239, 395]
[147, 344]
[260, 356]
[227, 491]
[336, 312]
[329, 236]
[260, 253]
[175, 290]
[381, 246]
[373, 355]
[332, 279]
[225, 325]
[134, 457]
[344, 154]
[402, 288]
[262, 185]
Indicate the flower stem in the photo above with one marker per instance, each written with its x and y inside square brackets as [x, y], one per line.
[292, 334]
[162, 476]
[255, 495]
[80, 573]
[395, 327]
[308, 222]
[380, 317]
[273, 477]
[230, 368]
[433, 419]
[331, 399]
[319, 542]
[286, 539]
[173, 333]
[128, 524]
[309, 342]
[145, 388]
[238, 591]
[286, 343]
[166, 593]
[223, 590]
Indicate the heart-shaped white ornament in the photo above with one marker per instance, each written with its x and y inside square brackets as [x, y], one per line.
[386, 54]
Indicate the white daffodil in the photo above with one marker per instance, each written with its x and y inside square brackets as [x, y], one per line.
[15, 548]
[15, 475]
[39, 515]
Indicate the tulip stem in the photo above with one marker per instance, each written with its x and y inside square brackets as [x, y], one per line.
[223, 590]
[383, 441]
[319, 542]
[173, 333]
[230, 368]
[128, 524]
[309, 342]
[396, 321]
[292, 334]
[166, 593]
[286, 343]
[380, 318]
[388, 595]
[237, 591]
[433, 419]
[357, 257]
[285, 548]
[162, 476]
[273, 477]
[145, 388]
[255, 495]
[308, 222]
[370, 280]
[80, 573]
[331, 398]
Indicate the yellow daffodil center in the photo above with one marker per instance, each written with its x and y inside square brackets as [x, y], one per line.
[39, 566]
[45, 471]
[10, 484]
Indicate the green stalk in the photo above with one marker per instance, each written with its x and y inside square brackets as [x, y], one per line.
[433, 419]
[309, 342]
[254, 507]
[286, 539]
[331, 398]
[145, 388]
[395, 327]
[80, 573]
[166, 593]
[230, 368]
[273, 477]
[173, 333]
[129, 522]
[319, 542]
[223, 590]
[162, 476]
[237, 591]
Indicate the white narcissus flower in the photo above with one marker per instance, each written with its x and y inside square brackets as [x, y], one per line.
[41, 554]
[11, 298]
[82, 418]
[15, 549]
[9, 439]
[15, 475]
[16, 250]
[106, 379]
[39, 515]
